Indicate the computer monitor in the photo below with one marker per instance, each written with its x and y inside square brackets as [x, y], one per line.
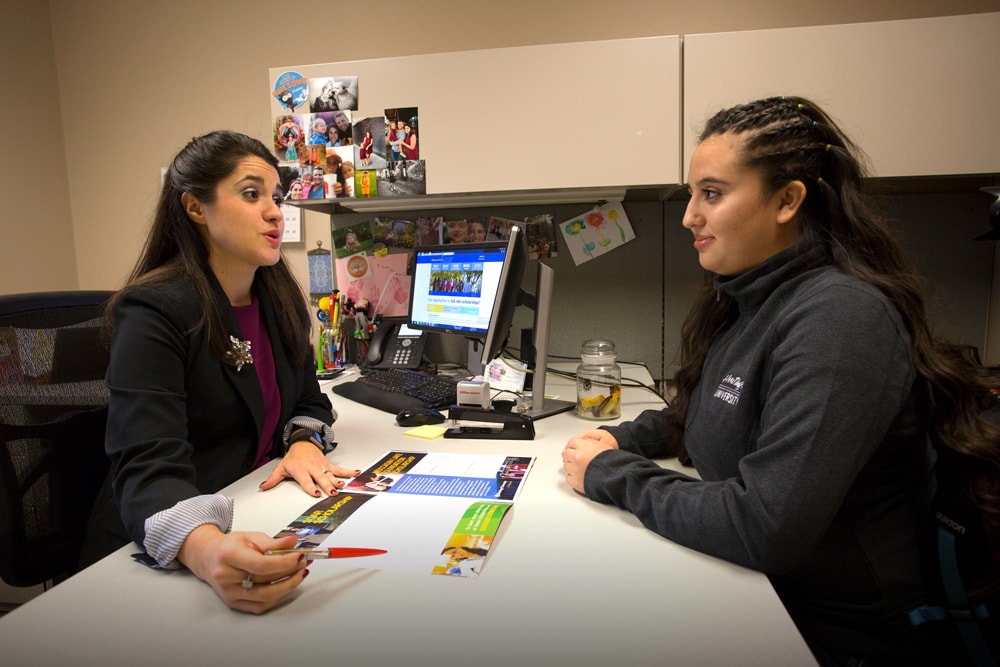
[469, 289]
[473, 289]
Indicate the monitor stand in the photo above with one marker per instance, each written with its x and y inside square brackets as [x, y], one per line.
[542, 305]
[540, 405]
[474, 363]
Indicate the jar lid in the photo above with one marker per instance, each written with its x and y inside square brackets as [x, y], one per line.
[596, 350]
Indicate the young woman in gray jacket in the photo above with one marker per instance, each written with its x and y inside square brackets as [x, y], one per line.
[808, 391]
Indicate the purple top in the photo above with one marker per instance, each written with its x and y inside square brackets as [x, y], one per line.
[263, 362]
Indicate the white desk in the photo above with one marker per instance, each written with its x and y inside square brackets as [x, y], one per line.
[569, 582]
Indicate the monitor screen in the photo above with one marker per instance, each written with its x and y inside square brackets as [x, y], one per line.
[469, 289]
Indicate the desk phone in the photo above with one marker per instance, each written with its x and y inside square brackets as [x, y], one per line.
[396, 345]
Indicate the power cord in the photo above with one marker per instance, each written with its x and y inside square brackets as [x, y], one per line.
[626, 382]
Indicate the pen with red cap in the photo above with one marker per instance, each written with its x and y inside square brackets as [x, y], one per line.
[332, 552]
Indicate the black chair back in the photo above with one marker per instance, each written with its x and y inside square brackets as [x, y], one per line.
[53, 413]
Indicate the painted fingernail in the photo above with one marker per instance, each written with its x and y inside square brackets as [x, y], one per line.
[305, 573]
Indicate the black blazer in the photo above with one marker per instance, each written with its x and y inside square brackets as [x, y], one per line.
[181, 423]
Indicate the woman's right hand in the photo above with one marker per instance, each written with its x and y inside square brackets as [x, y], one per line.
[581, 450]
[223, 560]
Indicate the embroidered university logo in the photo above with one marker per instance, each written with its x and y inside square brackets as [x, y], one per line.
[729, 389]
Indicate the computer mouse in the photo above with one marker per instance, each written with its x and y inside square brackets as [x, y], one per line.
[419, 417]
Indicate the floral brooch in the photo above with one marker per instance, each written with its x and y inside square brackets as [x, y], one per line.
[240, 352]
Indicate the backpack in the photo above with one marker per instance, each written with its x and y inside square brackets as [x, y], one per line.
[961, 615]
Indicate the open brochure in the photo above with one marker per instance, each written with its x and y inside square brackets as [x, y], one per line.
[432, 512]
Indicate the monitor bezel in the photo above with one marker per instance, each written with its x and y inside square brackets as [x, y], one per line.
[508, 296]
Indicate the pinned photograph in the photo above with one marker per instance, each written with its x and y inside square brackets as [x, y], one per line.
[290, 175]
[339, 174]
[365, 183]
[314, 182]
[478, 229]
[456, 231]
[394, 233]
[311, 156]
[317, 125]
[353, 239]
[369, 142]
[541, 236]
[396, 123]
[338, 93]
[500, 228]
[402, 179]
[339, 130]
[289, 137]
[428, 231]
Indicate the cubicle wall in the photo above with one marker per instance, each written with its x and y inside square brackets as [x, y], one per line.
[618, 295]
[639, 293]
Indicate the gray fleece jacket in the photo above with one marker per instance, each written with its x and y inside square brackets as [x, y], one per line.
[807, 434]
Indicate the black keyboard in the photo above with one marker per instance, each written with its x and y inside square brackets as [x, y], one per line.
[395, 389]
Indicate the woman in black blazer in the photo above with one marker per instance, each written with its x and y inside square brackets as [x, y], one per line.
[212, 375]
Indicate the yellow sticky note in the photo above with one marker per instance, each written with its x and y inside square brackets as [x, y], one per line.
[427, 431]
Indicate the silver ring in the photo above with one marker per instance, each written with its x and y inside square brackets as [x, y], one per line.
[248, 581]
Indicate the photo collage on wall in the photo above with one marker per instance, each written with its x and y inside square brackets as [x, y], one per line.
[326, 152]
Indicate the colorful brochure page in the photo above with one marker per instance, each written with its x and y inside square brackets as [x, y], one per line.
[433, 513]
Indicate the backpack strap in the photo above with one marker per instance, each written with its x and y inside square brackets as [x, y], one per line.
[956, 608]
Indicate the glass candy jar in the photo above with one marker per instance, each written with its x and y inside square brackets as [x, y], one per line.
[598, 381]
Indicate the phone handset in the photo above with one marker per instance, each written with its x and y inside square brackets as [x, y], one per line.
[376, 346]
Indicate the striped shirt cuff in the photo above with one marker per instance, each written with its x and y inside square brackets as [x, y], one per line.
[312, 424]
[166, 530]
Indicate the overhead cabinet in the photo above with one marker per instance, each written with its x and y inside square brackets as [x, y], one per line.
[577, 115]
[919, 96]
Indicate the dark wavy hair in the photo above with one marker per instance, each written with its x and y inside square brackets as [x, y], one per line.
[175, 248]
[791, 139]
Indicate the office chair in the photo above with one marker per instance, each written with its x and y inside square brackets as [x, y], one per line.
[53, 412]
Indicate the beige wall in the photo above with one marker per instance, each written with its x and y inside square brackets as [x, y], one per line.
[100, 94]
[36, 233]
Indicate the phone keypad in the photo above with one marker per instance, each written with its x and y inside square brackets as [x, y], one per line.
[401, 356]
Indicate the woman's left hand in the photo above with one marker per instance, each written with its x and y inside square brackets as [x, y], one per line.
[307, 465]
[581, 450]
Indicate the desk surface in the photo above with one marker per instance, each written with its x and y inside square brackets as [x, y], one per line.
[569, 582]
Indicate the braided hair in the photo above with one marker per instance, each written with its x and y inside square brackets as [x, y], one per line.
[791, 139]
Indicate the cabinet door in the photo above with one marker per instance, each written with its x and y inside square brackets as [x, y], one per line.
[587, 114]
[919, 96]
